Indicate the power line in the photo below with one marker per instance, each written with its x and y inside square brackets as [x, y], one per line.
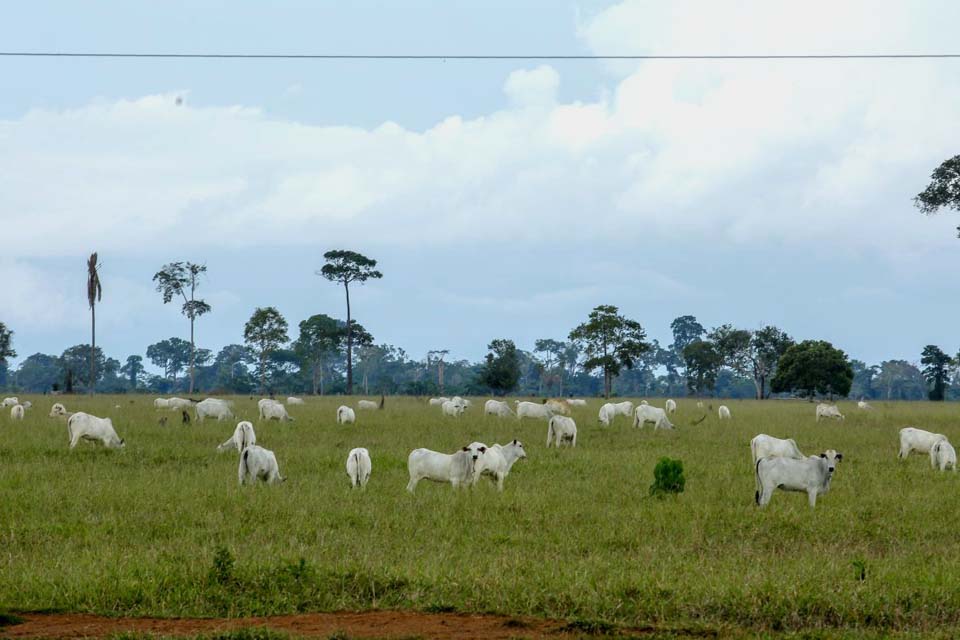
[343, 56]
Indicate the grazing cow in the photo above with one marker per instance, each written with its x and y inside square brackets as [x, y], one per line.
[257, 463]
[160, 403]
[83, 426]
[367, 404]
[57, 410]
[26, 404]
[670, 406]
[863, 404]
[918, 440]
[645, 413]
[608, 413]
[276, 411]
[532, 410]
[561, 429]
[436, 402]
[358, 467]
[724, 412]
[558, 406]
[452, 408]
[497, 408]
[825, 410]
[497, 461]
[811, 475]
[294, 400]
[624, 408]
[178, 404]
[243, 436]
[461, 401]
[576, 402]
[10, 402]
[213, 408]
[16, 412]
[764, 446]
[456, 468]
[943, 455]
[644, 402]
[345, 415]
[264, 402]
[699, 404]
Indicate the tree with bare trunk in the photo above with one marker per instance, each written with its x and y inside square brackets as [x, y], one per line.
[437, 356]
[179, 279]
[94, 295]
[345, 267]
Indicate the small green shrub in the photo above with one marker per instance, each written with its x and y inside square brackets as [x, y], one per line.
[667, 477]
[222, 570]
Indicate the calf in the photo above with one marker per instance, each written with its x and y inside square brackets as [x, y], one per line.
[561, 429]
[345, 415]
[452, 408]
[257, 463]
[497, 461]
[83, 426]
[358, 467]
[943, 455]
[16, 413]
[724, 412]
[811, 475]
[456, 468]
[243, 436]
[670, 406]
[57, 410]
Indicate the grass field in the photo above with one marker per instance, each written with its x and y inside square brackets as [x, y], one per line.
[161, 528]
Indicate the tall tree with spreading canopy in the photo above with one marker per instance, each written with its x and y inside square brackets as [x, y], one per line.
[501, 370]
[813, 367]
[610, 342]
[171, 355]
[943, 192]
[264, 333]
[181, 279]
[321, 337]
[346, 267]
[703, 361]
[133, 370]
[75, 365]
[936, 371]
[94, 295]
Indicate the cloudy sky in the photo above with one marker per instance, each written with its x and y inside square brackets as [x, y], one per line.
[502, 199]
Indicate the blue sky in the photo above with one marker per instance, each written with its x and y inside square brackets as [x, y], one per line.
[503, 199]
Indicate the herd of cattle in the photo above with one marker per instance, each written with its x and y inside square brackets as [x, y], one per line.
[778, 463]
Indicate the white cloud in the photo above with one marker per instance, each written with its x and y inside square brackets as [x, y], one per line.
[533, 87]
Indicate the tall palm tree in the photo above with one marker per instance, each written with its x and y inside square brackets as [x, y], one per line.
[94, 294]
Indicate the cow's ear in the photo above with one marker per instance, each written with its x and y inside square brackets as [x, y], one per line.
[823, 455]
[839, 456]
[483, 449]
[515, 441]
[466, 449]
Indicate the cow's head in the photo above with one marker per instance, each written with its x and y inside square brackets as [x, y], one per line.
[521, 452]
[475, 452]
[832, 458]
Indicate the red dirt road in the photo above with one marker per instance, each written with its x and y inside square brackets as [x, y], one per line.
[370, 624]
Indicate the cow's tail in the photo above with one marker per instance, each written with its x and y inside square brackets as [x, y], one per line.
[356, 475]
[756, 495]
[244, 466]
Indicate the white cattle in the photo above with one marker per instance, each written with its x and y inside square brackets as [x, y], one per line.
[670, 406]
[26, 404]
[724, 412]
[358, 467]
[243, 436]
[456, 468]
[367, 404]
[345, 415]
[825, 410]
[451, 408]
[497, 461]
[213, 408]
[561, 429]
[436, 402]
[532, 410]
[294, 400]
[811, 475]
[645, 413]
[257, 463]
[558, 406]
[264, 402]
[699, 404]
[624, 408]
[912, 439]
[478, 447]
[83, 426]
[608, 413]
[178, 404]
[644, 402]
[161, 403]
[863, 404]
[10, 402]
[16, 412]
[57, 410]
[461, 401]
[497, 408]
[276, 411]
[576, 402]
[764, 446]
[943, 455]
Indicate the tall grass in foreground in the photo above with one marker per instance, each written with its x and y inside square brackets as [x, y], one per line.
[161, 528]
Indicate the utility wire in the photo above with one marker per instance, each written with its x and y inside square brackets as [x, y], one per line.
[340, 56]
